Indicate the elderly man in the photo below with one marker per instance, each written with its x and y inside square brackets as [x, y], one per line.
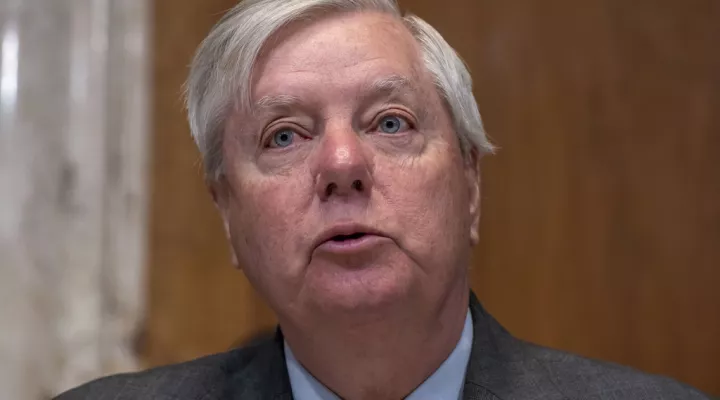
[341, 142]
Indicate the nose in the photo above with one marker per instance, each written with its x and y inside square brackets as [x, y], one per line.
[342, 165]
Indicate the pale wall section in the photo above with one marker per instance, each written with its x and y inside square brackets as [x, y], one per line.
[73, 146]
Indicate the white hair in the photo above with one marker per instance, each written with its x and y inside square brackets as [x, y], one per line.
[221, 71]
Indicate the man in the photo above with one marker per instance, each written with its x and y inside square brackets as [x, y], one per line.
[341, 143]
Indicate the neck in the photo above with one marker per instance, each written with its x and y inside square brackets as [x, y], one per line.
[385, 357]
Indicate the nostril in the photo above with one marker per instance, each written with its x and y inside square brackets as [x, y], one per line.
[330, 189]
[334, 188]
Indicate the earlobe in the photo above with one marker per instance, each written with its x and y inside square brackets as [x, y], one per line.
[219, 192]
[233, 258]
[473, 179]
[226, 226]
[475, 215]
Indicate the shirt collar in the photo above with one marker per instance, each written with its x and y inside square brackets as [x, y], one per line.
[446, 383]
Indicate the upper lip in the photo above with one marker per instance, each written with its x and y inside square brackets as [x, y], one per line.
[345, 229]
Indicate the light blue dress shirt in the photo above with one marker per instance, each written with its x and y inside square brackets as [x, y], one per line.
[446, 383]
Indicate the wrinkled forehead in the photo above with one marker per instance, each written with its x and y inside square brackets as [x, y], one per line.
[361, 51]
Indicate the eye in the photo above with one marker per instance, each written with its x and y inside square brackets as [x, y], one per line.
[282, 138]
[392, 124]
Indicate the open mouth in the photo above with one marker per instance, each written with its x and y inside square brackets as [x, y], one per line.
[345, 238]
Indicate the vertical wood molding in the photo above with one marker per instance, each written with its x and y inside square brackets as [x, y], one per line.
[74, 134]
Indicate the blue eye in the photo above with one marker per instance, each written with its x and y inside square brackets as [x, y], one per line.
[283, 138]
[392, 124]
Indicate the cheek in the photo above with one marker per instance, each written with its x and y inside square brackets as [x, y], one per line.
[266, 216]
[430, 199]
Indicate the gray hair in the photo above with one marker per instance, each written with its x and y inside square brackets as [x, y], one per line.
[221, 71]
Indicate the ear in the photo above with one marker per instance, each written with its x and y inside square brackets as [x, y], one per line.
[220, 192]
[472, 174]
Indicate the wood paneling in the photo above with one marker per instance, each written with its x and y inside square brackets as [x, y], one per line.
[198, 304]
[601, 212]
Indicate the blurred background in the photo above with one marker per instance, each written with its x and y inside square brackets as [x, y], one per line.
[600, 232]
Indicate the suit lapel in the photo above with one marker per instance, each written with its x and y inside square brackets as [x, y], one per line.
[264, 377]
[485, 356]
[500, 366]
[278, 379]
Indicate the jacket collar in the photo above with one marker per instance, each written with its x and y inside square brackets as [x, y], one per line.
[491, 370]
[493, 347]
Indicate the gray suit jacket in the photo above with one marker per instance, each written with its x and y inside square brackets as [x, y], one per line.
[501, 367]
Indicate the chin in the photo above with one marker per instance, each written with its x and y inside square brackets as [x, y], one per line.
[369, 290]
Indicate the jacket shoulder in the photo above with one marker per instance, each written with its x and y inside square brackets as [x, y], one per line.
[198, 379]
[584, 378]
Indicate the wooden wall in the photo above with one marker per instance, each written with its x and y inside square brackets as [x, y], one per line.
[601, 212]
[198, 303]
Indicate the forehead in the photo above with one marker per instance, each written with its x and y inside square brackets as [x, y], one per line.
[340, 50]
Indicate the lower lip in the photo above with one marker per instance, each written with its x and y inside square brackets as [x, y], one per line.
[364, 243]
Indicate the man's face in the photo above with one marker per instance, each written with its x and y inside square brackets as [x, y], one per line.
[345, 188]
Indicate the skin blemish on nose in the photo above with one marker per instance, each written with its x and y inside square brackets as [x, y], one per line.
[342, 154]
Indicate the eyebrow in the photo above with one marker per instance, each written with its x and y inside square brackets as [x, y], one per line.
[390, 83]
[388, 86]
[276, 101]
